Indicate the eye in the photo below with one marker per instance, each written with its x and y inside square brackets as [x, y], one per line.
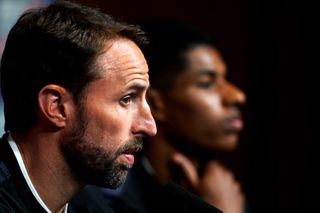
[126, 99]
[205, 84]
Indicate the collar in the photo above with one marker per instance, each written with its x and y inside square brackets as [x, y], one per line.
[23, 169]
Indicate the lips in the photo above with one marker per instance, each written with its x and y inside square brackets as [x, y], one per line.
[129, 158]
[129, 154]
[234, 122]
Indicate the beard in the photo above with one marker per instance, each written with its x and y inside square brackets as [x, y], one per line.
[92, 164]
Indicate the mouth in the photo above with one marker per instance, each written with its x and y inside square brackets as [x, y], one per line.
[237, 123]
[234, 124]
[129, 154]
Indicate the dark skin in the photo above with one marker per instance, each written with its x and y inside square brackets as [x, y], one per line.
[197, 118]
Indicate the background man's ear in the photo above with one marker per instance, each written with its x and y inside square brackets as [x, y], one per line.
[157, 105]
[54, 102]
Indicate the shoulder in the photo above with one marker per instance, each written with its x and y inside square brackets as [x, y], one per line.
[179, 199]
[8, 202]
[15, 195]
[89, 199]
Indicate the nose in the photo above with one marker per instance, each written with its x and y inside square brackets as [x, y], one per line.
[144, 122]
[232, 95]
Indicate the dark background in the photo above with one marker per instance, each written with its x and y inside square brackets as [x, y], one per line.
[264, 44]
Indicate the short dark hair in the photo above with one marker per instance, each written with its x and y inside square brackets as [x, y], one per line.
[57, 44]
[169, 40]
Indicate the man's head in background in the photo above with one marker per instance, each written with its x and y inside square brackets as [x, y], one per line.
[194, 105]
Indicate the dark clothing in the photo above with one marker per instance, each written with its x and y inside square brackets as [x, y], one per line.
[15, 195]
[142, 193]
[89, 200]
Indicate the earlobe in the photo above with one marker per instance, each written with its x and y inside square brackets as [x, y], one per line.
[52, 101]
[157, 106]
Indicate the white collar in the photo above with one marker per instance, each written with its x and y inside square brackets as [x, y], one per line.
[23, 169]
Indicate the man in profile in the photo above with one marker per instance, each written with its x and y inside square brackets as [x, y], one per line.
[74, 82]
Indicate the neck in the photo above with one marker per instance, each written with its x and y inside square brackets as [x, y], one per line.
[160, 148]
[47, 169]
[158, 152]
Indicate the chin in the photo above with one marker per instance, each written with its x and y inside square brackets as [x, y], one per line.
[229, 143]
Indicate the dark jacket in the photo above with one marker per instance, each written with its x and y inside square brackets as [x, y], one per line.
[15, 195]
[142, 193]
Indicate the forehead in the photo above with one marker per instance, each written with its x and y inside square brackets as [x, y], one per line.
[121, 57]
[204, 57]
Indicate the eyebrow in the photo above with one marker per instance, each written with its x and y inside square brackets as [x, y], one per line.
[138, 87]
[208, 72]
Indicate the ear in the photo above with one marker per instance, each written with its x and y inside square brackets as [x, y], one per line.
[54, 105]
[157, 105]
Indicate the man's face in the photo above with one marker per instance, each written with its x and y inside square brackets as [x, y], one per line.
[202, 107]
[113, 118]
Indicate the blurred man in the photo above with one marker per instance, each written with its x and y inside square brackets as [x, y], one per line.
[74, 83]
[198, 118]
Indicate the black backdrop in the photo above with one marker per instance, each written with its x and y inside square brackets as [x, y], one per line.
[264, 45]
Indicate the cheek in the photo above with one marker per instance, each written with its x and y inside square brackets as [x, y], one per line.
[205, 115]
[106, 127]
[193, 112]
[200, 115]
[204, 106]
[210, 105]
